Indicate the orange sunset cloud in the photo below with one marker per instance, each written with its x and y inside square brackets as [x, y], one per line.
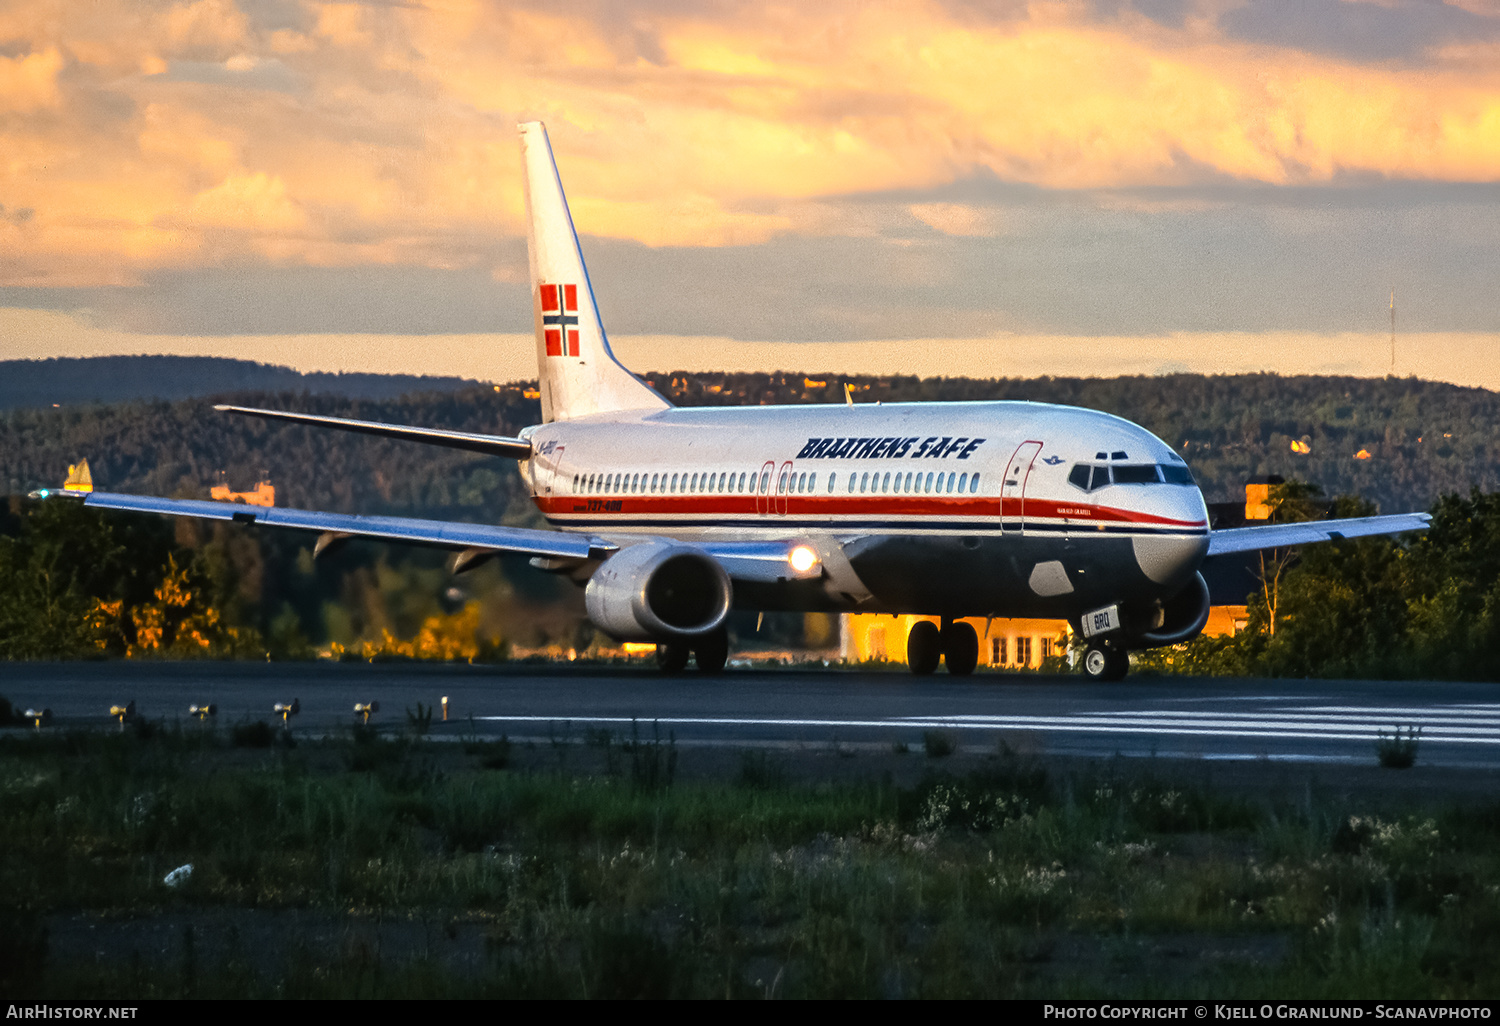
[136, 137]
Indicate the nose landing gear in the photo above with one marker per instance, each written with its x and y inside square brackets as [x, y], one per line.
[1106, 662]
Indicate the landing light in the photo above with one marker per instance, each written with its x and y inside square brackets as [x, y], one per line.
[802, 559]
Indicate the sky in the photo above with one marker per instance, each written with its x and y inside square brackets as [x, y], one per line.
[1003, 188]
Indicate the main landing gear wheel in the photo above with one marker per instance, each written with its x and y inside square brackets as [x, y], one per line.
[711, 652]
[960, 648]
[1105, 662]
[671, 656]
[923, 648]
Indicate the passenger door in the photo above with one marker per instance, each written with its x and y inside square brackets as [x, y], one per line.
[547, 470]
[765, 480]
[1013, 488]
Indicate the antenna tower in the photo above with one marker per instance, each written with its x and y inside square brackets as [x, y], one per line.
[1393, 331]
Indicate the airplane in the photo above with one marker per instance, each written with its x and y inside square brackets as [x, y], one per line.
[671, 517]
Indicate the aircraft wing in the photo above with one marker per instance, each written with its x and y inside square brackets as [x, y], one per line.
[492, 445]
[445, 534]
[765, 562]
[1278, 536]
[768, 562]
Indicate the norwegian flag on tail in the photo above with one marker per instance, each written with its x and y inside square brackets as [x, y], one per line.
[560, 319]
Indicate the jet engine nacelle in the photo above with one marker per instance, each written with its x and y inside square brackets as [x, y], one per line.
[656, 591]
[1182, 617]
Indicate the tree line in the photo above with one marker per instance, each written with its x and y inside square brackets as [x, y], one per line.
[1419, 439]
[74, 582]
[79, 583]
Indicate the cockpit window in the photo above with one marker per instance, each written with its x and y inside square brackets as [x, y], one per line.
[1090, 478]
[1136, 473]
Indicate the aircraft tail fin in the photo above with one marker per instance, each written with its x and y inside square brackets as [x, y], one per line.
[578, 372]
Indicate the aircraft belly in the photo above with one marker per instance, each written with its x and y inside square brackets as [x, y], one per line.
[1009, 575]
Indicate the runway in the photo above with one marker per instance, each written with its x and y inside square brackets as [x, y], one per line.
[1168, 717]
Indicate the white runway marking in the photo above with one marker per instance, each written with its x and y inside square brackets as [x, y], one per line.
[1440, 725]
[1409, 716]
[1400, 710]
[1247, 698]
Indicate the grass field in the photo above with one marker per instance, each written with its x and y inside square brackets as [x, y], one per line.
[378, 866]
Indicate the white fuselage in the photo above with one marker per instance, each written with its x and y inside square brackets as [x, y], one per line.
[959, 508]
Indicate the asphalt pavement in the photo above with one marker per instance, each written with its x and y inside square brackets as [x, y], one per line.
[1167, 717]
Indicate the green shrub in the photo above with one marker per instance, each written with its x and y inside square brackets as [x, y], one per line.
[938, 744]
[420, 721]
[253, 735]
[1398, 751]
[760, 772]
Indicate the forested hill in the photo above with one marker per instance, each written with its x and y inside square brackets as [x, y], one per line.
[1423, 439]
[112, 379]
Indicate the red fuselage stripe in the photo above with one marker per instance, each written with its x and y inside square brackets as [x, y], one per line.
[847, 505]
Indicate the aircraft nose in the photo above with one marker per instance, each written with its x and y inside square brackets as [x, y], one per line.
[1170, 559]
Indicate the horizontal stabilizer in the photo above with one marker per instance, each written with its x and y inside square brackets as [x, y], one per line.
[438, 533]
[1278, 536]
[492, 445]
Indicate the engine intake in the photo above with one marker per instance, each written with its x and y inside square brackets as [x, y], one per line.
[657, 591]
[1182, 616]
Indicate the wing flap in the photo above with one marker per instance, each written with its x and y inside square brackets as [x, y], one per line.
[492, 445]
[1277, 536]
[441, 533]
